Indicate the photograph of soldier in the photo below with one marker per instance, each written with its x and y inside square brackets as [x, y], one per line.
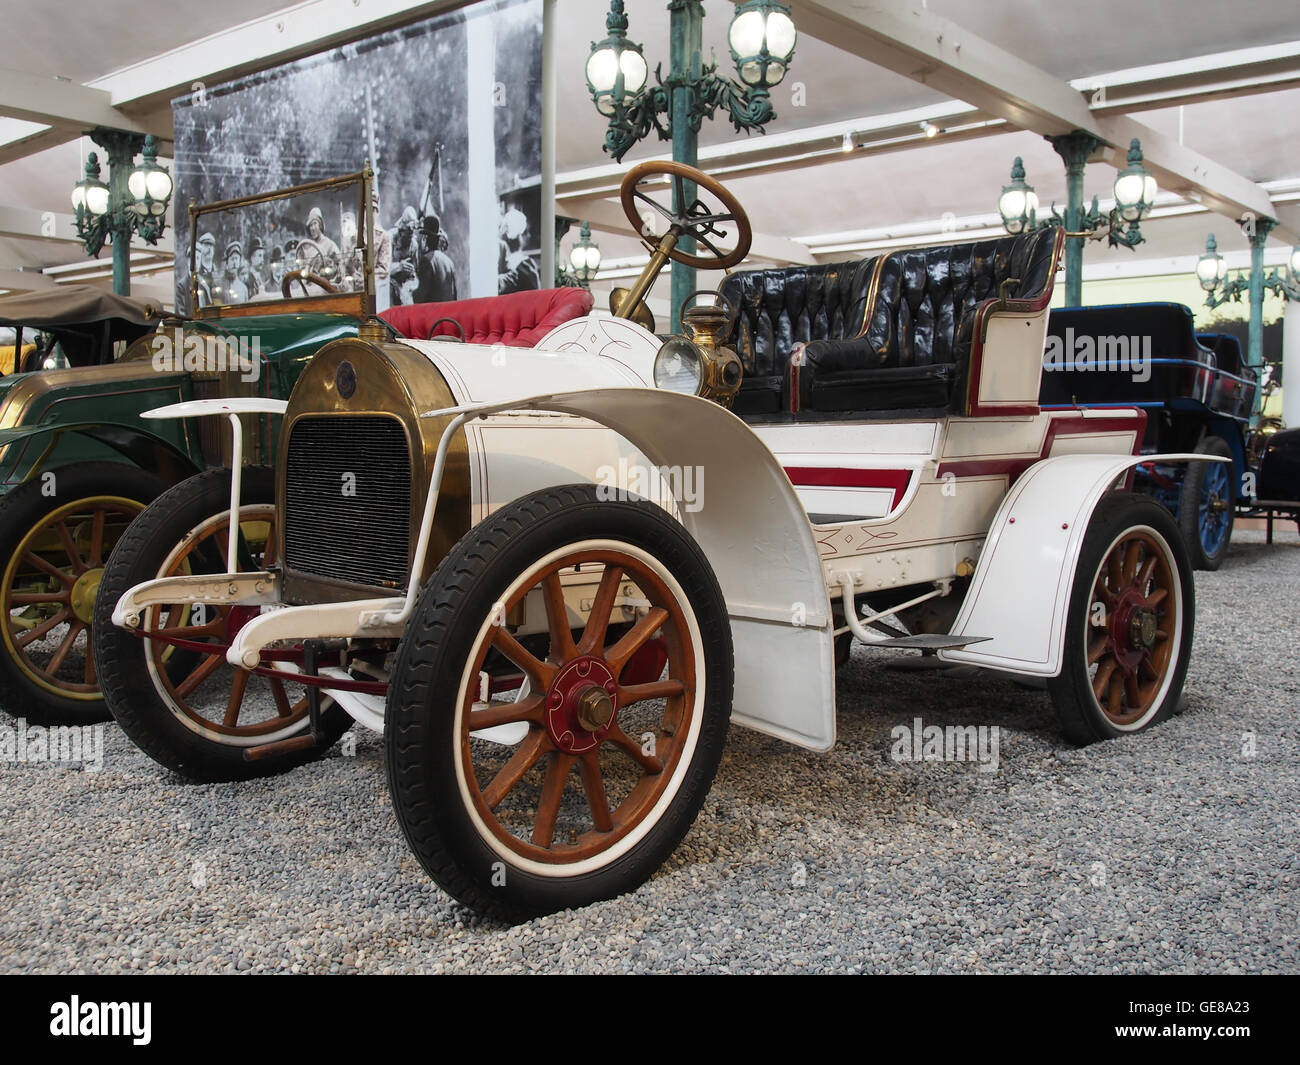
[206, 250]
[327, 251]
[232, 287]
[518, 267]
[255, 276]
[435, 272]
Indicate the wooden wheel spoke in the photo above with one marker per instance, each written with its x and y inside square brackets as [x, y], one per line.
[33, 559]
[1097, 648]
[1104, 672]
[658, 689]
[37, 598]
[1148, 571]
[594, 786]
[200, 674]
[494, 714]
[1157, 597]
[89, 674]
[61, 655]
[1115, 697]
[548, 805]
[541, 673]
[602, 607]
[281, 697]
[1132, 691]
[632, 749]
[32, 635]
[1115, 571]
[526, 755]
[618, 655]
[217, 627]
[70, 547]
[96, 557]
[1132, 559]
[557, 619]
[238, 686]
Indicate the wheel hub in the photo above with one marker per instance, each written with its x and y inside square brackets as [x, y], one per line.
[84, 592]
[1134, 630]
[581, 705]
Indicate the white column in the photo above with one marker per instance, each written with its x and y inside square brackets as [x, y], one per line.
[480, 75]
[1291, 365]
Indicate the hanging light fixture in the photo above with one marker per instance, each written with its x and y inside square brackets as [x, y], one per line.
[1018, 204]
[762, 38]
[150, 185]
[1135, 188]
[90, 195]
[1211, 269]
[585, 256]
[616, 68]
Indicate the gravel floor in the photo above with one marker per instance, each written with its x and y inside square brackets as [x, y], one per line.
[1174, 851]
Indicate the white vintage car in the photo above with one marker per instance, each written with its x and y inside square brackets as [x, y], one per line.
[552, 577]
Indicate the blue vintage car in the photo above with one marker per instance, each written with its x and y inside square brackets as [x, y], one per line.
[1199, 395]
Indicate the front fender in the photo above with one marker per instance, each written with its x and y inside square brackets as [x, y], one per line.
[139, 448]
[756, 536]
[1020, 591]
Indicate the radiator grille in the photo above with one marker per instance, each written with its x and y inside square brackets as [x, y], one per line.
[348, 500]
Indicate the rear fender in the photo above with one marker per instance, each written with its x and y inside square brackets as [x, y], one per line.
[1020, 591]
[137, 447]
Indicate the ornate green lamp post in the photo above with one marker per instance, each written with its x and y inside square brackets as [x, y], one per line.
[1212, 273]
[762, 39]
[1134, 192]
[134, 200]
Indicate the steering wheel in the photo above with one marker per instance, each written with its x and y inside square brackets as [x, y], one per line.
[695, 220]
[302, 277]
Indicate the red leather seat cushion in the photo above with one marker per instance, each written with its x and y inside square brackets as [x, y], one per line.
[519, 319]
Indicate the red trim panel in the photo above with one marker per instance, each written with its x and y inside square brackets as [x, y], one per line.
[843, 477]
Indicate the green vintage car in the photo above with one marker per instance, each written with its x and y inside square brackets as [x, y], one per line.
[77, 463]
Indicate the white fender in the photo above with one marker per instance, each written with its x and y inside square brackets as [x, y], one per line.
[756, 536]
[1020, 591]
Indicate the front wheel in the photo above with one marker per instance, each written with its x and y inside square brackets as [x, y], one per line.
[1205, 505]
[559, 703]
[184, 705]
[1129, 628]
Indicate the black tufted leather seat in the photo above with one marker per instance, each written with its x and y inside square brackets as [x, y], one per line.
[777, 309]
[915, 351]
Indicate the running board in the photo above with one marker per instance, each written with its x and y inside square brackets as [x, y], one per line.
[929, 641]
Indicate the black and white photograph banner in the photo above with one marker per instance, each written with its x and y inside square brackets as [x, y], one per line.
[444, 110]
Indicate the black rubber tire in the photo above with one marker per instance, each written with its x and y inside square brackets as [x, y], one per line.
[423, 698]
[1082, 719]
[129, 690]
[20, 511]
[1189, 505]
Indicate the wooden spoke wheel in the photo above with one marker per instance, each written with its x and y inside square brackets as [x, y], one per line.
[182, 703]
[56, 535]
[559, 703]
[1129, 629]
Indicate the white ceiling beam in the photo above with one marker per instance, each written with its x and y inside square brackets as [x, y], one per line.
[608, 217]
[24, 280]
[64, 104]
[927, 48]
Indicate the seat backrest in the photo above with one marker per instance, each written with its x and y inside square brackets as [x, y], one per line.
[924, 312]
[517, 319]
[779, 308]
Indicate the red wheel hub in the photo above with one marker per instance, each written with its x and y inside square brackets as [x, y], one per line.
[581, 705]
[1133, 629]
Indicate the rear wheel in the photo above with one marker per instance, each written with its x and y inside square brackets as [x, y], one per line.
[1129, 627]
[540, 760]
[56, 533]
[188, 708]
[1205, 505]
